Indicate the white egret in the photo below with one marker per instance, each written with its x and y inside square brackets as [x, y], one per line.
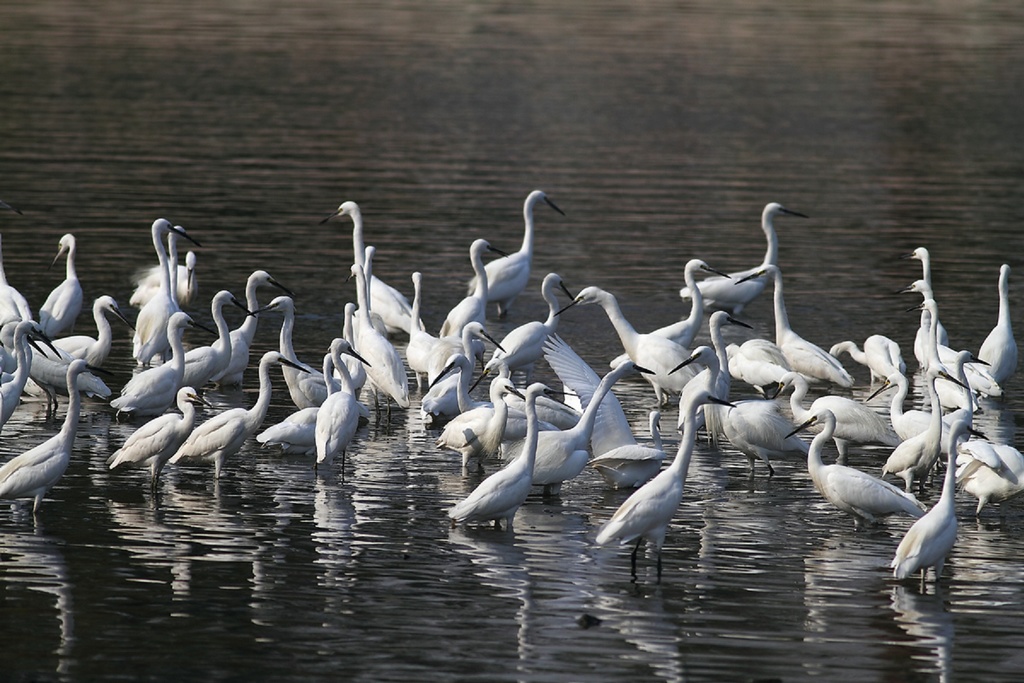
[508, 277]
[478, 433]
[391, 305]
[446, 395]
[356, 367]
[421, 342]
[295, 434]
[906, 423]
[10, 390]
[33, 473]
[152, 391]
[222, 435]
[153, 444]
[472, 308]
[524, 345]
[47, 371]
[866, 498]
[657, 354]
[646, 514]
[242, 336]
[94, 350]
[913, 459]
[563, 454]
[384, 365]
[881, 355]
[757, 362]
[13, 306]
[205, 363]
[728, 294]
[338, 417]
[991, 472]
[758, 429]
[999, 349]
[804, 357]
[925, 283]
[929, 540]
[630, 466]
[184, 280]
[854, 421]
[150, 338]
[59, 312]
[306, 386]
[500, 495]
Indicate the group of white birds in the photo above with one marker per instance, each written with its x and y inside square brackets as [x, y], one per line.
[543, 440]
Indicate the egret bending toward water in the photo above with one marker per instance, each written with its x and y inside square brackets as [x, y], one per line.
[524, 345]
[991, 472]
[33, 473]
[864, 497]
[95, 350]
[804, 357]
[391, 305]
[479, 432]
[500, 495]
[154, 443]
[150, 338]
[728, 294]
[13, 306]
[508, 277]
[930, 539]
[759, 363]
[222, 435]
[61, 308]
[653, 352]
[241, 337]
[999, 349]
[881, 355]
[294, 435]
[646, 514]
[853, 421]
[338, 417]
[473, 308]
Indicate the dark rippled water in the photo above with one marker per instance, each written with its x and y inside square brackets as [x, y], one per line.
[661, 130]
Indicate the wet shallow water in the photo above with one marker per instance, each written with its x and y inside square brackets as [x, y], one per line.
[662, 132]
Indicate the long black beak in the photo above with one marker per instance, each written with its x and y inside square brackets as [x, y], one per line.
[752, 276]
[683, 364]
[791, 212]
[284, 289]
[496, 250]
[245, 308]
[352, 352]
[567, 307]
[805, 425]
[181, 232]
[885, 385]
[120, 316]
[491, 339]
[552, 205]
[735, 321]
[566, 289]
[709, 269]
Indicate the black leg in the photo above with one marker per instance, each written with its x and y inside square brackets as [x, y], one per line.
[632, 558]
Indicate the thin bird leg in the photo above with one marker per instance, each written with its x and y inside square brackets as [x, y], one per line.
[659, 565]
[632, 558]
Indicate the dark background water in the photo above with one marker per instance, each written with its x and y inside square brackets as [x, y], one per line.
[662, 130]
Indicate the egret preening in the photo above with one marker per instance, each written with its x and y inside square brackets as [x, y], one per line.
[991, 472]
[999, 349]
[880, 355]
[223, 435]
[500, 495]
[391, 305]
[728, 294]
[864, 497]
[646, 514]
[930, 539]
[58, 314]
[33, 473]
[95, 350]
[804, 357]
[153, 444]
[508, 277]
[479, 432]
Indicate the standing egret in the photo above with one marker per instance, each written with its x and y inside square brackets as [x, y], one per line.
[906, 423]
[921, 254]
[563, 454]
[853, 421]
[421, 342]
[880, 355]
[183, 277]
[804, 357]
[10, 390]
[500, 495]
[150, 338]
[657, 354]
[864, 497]
[618, 458]
[356, 367]
[205, 363]
[684, 331]
[241, 337]
[338, 417]
[479, 432]
[999, 349]
[223, 434]
[152, 391]
[13, 306]
[153, 444]
[306, 386]
[758, 429]
[391, 305]
[734, 292]
[61, 308]
[295, 434]
[472, 308]
[646, 514]
[95, 350]
[524, 345]
[508, 277]
[48, 369]
[33, 473]
[930, 538]
[384, 365]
